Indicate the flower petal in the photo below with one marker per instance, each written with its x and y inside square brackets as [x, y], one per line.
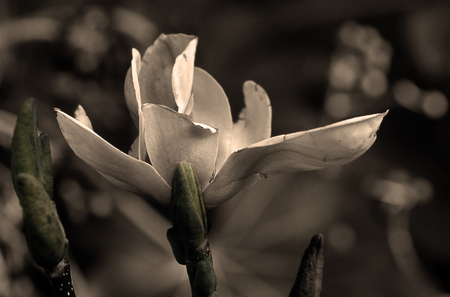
[131, 88]
[183, 76]
[133, 151]
[81, 116]
[119, 168]
[172, 137]
[136, 65]
[335, 144]
[212, 108]
[255, 119]
[156, 72]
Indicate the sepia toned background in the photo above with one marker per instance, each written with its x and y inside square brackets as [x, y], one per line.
[385, 216]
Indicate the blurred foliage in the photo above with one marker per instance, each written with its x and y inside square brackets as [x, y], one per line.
[385, 216]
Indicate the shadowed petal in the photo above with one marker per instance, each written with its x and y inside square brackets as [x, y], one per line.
[133, 151]
[172, 137]
[156, 72]
[255, 119]
[212, 108]
[335, 144]
[119, 168]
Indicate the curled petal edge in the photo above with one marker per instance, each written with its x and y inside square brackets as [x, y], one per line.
[255, 119]
[154, 71]
[183, 77]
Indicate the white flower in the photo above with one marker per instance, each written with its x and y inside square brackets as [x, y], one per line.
[183, 114]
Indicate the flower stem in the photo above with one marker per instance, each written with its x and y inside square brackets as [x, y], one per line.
[188, 237]
[60, 279]
[31, 173]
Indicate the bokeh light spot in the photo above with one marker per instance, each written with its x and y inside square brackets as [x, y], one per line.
[424, 189]
[407, 94]
[351, 34]
[380, 56]
[338, 105]
[374, 83]
[435, 104]
[344, 72]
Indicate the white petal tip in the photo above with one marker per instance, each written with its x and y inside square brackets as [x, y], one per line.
[183, 76]
[81, 116]
[135, 53]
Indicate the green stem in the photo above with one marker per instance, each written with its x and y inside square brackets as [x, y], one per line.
[188, 237]
[202, 276]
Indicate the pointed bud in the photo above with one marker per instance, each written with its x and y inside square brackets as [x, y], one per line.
[26, 152]
[190, 227]
[309, 278]
[32, 177]
[188, 208]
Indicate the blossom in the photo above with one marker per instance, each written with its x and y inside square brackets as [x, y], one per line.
[183, 114]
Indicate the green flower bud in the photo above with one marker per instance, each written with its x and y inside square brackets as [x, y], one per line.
[47, 162]
[31, 171]
[30, 151]
[188, 208]
[187, 238]
[44, 233]
[177, 246]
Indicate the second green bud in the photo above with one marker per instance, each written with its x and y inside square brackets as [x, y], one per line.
[188, 208]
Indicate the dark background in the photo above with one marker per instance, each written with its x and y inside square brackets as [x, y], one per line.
[384, 216]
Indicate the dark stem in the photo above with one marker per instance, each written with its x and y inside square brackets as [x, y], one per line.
[309, 277]
[201, 285]
[60, 279]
